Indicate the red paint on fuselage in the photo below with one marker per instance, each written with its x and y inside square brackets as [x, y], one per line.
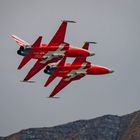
[77, 52]
[97, 70]
[90, 70]
[38, 53]
[71, 67]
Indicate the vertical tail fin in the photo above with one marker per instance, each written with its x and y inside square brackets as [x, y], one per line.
[53, 76]
[28, 57]
[81, 60]
[86, 45]
[19, 41]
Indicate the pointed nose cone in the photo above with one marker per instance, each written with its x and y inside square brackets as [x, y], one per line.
[98, 70]
[111, 71]
[92, 54]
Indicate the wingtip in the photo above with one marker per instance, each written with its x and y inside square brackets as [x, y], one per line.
[46, 84]
[19, 67]
[26, 81]
[91, 42]
[12, 35]
[52, 97]
[40, 36]
[69, 21]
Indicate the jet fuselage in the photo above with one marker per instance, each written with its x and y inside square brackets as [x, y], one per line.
[42, 52]
[75, 70]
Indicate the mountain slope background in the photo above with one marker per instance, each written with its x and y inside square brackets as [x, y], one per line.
[108, 127]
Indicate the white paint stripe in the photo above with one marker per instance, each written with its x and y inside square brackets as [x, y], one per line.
[57, 52]
[21, 44]
[20, 40]
[75, 72]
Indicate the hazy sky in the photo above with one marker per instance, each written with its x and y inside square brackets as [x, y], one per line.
[115, 25]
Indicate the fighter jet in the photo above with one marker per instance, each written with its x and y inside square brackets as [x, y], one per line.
[71, 72]
[48, 53]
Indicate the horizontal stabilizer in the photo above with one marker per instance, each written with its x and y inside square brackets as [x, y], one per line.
[25, 60]
[50, 79]
[59, 87]
[54, 75]
[37, 42]
[35, 69]
[28, 57]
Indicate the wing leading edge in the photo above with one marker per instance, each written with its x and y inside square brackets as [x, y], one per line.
[28, 57]
[35, 69]
[63, 83]
[59, 87]
[65, 80]
[56, 40]
[59, 36]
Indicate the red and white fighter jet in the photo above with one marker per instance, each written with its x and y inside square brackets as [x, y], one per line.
[71, 72]
[48, 53]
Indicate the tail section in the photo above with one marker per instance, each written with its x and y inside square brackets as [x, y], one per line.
[86, 45]
[19, 41]
[81, 60]
[54, 75]
[28, 57]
